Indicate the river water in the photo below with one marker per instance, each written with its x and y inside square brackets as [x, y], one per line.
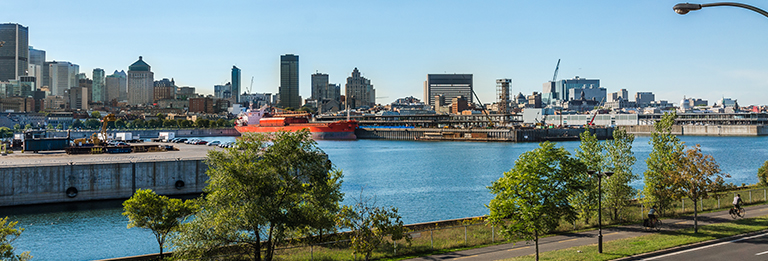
[427, 181]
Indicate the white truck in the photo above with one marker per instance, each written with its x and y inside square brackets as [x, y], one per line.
[166, 136]
[123, 136]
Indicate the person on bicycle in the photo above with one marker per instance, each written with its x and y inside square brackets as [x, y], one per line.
[652, 216]
[737, 202]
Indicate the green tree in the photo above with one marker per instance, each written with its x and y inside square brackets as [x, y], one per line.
[59, 126]
[170, 124]
[5, 132]
[139, 124]
[28, 126]
[77, 124]
[161, 116]
[370, 225]
[184, 123]
[202, 123]
[120, 124]
[222, 123]
[92, 124]
[534, 194]
[617, 190]
[258, 194]
[96, 115]
[154, 123]
[661, 161]
[590, 152]
[9, 233]
[161, 214]
[212, 124]
[17, 127]
[695, 176]
[762, 174]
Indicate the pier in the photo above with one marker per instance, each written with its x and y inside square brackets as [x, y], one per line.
[480, 134]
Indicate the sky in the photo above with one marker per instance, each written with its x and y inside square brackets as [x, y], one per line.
[641, 46]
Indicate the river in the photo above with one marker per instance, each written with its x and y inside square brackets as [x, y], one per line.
[427, 181]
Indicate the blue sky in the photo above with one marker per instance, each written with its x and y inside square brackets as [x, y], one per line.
[639, 45]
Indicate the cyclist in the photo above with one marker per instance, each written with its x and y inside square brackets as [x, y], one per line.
[737, 202]
[652, 219]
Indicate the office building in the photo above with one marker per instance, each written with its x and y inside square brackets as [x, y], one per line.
[98, 88]
[236, 84]
[14, 55]
[62, 75]
[618, 96]
[588, 93]
[78, 98]
[459, 104]
[289, 82]
[644, 99]
[558, 92]
[141, 81]
[319, 86]
[116, 86]
[185, 92]
[502, 95]
[448, 85]
[37, 67]
[164, 89]
[359, 91]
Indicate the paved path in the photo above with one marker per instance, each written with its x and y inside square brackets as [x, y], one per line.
[28, 158]
[510, 250]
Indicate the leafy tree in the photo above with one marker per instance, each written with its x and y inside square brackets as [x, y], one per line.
[120, 124]
[170, 124]
[695, 176]
[28, 126]
[154, 123]
[202, 123]
[92, 124]
[370, 225]
[6, 132]
[257, 194]
[17, 127]
[534, 193]
[161, 214]
[590, 152]
[58, 127]
[212, 124]
[161, 116]
[666, 148]
[9, 233]
[289, 108]
[77, 124]
[139, 124]
[617, 191]
[762, 174]
[184, 123]
[222, 123]
[96, 115]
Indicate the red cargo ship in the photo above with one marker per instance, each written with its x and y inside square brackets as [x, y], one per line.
[264, 120]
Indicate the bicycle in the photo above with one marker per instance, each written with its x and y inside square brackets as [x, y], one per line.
[737, 212]
[652, 225]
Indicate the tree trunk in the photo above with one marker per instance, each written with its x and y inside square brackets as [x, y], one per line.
[536, 241]
[695, 217]
[257, 251]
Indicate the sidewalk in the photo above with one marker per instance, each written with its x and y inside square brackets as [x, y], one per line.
[585, 238]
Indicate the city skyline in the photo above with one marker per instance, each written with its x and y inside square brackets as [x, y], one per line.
[640, 46]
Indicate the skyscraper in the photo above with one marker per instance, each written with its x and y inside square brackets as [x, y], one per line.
[559, 91]
[319, 86]
[37, 67]
[116, 86]
[141, 81]
[448, 85]
[289, 81]
[359, 91]
[62, 75]
[236, 84]
[98, 94]
[14, 55]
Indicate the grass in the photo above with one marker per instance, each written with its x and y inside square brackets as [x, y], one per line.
[649, 243]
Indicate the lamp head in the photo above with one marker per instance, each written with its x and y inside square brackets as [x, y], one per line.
[590, 172]
[608, 174]
[685, 8]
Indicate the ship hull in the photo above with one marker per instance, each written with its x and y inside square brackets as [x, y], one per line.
[341, 130]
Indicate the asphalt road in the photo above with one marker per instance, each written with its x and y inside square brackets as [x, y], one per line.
[746, 248]
[505, 251]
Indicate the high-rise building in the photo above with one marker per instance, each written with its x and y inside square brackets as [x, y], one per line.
[589, 93]
[37, 67]
[14, 55]
[141, 81]
[98, 93]
[236, 91]
[502, 92]
[319, 86]
[448, 85]
[62, 75]
[36, 56]
[557, 92]
[644, 99]
[78, 98]
[164, 89]
[116, 86]
[289, 82]
[359, 91]
[86, 83]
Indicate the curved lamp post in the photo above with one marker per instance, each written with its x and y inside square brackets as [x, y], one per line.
[684, 8]
[600, 176]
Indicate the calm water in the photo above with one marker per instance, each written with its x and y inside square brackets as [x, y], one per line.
[427, 181]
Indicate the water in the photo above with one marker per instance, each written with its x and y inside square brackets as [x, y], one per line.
[427, 181]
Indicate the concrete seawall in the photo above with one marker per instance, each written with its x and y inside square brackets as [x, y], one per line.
[704, 130]
[508, 135]
[149, 134]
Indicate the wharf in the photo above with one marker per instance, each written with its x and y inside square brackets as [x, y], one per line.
[59, 157]
[481, 134]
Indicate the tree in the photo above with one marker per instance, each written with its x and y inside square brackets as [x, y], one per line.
[17, 127]
[666, 148]
[202, 123]
[170, 124]
[59, 126]
[28, 126]
[161, 214]
[184, 123]
[222, 123]
[96, 115]
[269, 187]
[160, 116]
[370, 225]
[9, 233]
[695, 176]
[77, 124]
[618, 193]
[154, 123]
[138, 124]
[762, 174]
[5, 132]
[590, 152]
[534, 194]
[120, 124]
[92, 124]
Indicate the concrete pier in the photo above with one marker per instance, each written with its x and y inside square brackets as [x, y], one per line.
[27, 178]
[501, 134]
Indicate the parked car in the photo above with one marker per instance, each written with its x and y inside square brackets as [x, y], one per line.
[181, 140]
[200, 142]
[214, 143]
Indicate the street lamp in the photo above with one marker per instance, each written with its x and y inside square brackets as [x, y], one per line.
[684, 8]
[600, 175]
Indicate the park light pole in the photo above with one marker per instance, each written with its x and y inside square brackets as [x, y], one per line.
[600, 175]
[684, 8]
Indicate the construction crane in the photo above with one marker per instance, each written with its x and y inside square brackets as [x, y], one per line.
[98, 138]
[250, 87]
[485, 110]
[557, 68]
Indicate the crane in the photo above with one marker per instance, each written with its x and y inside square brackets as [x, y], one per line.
[249, 88]
[485, 110]
[554, 77]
